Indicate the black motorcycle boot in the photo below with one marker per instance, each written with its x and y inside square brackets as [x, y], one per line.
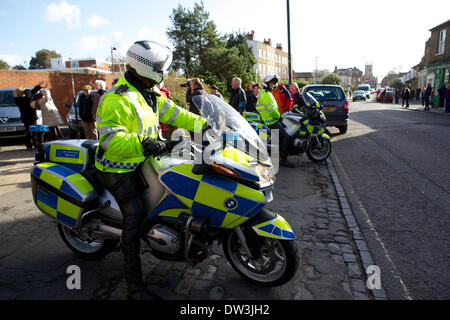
[131, 251]
[287, 163]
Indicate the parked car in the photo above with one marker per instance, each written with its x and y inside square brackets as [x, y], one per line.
[334, 102]
[10, 123]
[366, 89]
[386, 95]
[359, 95]
[73, 118]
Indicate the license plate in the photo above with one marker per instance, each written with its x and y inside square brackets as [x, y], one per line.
[8, 129]
[328, 109]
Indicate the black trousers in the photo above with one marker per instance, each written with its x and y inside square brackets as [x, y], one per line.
[127, 190]
[284, 139]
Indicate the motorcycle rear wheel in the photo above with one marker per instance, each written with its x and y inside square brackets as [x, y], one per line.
[276, 266]
[319, 153]
[90, 250]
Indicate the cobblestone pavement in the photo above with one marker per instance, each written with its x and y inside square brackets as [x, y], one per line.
[33, 258]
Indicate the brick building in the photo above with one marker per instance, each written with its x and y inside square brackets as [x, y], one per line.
[269, 59]
[351, 77]
[59, 82]
[305, 76]
[436, 60]
[368, 77]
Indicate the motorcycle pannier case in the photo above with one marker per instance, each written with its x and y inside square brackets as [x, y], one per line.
[62, 193]
[74, 154]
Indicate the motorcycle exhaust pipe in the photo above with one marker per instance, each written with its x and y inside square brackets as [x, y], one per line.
[102, 231]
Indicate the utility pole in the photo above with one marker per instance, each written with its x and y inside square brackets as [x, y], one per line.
[289, 42]
[317, 79]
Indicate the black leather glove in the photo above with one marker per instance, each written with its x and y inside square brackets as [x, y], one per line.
[153, 147]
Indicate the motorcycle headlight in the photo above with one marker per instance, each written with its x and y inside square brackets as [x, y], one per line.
[266, 175]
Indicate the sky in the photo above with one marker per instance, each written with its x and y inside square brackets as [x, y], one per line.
[347, 33]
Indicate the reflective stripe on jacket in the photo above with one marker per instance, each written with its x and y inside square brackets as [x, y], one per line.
[267, 108]
[124, 118]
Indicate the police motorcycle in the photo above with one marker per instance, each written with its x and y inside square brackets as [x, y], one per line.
[199, 193]
[305, 127]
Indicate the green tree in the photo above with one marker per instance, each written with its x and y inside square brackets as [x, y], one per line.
[19, 67]
[301, 83]
[397, 83]
[42, 59]
[191, 34]
[332, 78]
[4, 65]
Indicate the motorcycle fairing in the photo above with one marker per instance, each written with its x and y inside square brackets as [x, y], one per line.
[170, 206]
[225, 202]
[61, 192]
[277, 228]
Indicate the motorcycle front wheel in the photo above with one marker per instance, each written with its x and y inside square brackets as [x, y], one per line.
[90, 250]
[276, 265]
[319, 149]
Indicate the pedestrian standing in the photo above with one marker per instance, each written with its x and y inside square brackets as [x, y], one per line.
[238, 99]
[85, 103]
[411, 95]
[283, 98]
[428, 92]
[298, 98]
[251, 101]
[50, 114]
[101, 89]
[441, 96]
[447, 98]
[418, 93]
[215, 91]
[406, 97]
[397, 95]
[197, 89]
[423, 95]
[22, 98]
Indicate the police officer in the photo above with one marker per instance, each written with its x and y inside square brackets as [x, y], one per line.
[268, 110]
[127, 120]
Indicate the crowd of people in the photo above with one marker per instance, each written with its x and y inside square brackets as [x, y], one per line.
[424, 95]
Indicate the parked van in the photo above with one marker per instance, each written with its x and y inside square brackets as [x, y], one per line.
[365, 88]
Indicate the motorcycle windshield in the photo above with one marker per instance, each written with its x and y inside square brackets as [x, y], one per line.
[226, 121]
[310, 100]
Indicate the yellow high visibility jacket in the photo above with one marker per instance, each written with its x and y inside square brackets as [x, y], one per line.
[124, 118]
[267, 107]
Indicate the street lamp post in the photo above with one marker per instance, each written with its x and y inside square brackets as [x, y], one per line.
[289, 42]
[112, 58]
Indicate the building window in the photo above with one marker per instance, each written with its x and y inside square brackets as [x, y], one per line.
[260, 53]
[441, 45]
[74, 64]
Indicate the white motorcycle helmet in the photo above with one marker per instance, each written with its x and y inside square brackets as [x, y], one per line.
[268, 78]
[150, 59]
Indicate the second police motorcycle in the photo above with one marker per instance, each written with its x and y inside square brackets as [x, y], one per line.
[305, 126]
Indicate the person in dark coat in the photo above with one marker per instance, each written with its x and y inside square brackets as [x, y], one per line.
[427, 96]
[86, 102]
[238, 99]
[196, 90]
[27, 114]
[251, 99]
[441, 96]
[406, 94]
[295, 92]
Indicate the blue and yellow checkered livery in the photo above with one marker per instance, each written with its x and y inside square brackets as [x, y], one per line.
[61, 192]
[309, 128]
[225, 202]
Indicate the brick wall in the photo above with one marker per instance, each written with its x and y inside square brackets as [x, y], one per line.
[59, 83]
